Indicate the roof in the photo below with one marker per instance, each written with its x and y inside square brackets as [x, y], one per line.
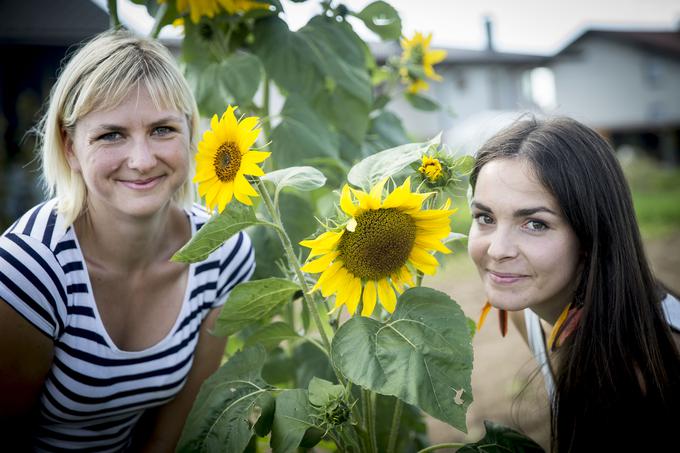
[663, 42]
[384, 50]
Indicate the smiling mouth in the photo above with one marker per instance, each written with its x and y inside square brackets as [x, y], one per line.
[140, 184]
[505, 278]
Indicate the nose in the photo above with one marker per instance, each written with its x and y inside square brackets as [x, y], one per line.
[142, 157]
[502, 244]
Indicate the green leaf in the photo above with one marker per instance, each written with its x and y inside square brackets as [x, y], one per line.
[374, 168]
[464, 165]
[301, 135]
[226, 406]
[422, 354]
[301, 178]
[218, 229]
[292, 418]
[279, 369]
[231, 81]
[383, 19]
[501, 439]
[422, 102]
[267, 405]
[271, 335]
[412, 431]
[252, 301]
[322, 391]
[310, 362]
[385, 131]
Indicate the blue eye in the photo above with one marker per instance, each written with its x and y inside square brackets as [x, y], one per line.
[536, 225]
[162, 130]
[482, 219]
[110, 136]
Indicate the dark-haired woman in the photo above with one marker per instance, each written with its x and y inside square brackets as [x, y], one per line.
[555, 239]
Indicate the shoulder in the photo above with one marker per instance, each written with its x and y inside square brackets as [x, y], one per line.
[42, 224]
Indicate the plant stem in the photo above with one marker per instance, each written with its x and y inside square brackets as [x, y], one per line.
[292, 259]
[394, 429]
[369, 414]
[160, 13]
[440, 446]
[114, 22]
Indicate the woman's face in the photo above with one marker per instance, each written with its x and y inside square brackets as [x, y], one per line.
[133, 158]
[525, 251]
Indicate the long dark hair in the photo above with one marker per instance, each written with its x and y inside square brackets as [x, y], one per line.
[618, 376]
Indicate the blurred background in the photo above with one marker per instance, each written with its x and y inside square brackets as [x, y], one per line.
[612, 64]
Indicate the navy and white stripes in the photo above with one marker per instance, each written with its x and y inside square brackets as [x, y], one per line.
[95, 393]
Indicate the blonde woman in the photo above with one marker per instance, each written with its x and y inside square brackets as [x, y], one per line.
[99, 330]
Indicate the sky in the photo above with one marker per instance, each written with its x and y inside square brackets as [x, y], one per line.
[521, 26]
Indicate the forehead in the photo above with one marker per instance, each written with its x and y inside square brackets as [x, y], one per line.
[512, 184]
[136, 106]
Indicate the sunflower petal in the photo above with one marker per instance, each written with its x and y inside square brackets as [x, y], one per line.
[369, 298]
[327, 274]
[386, 295]
[346, 202]
[318, 265]
[354, 295]
[482, 316]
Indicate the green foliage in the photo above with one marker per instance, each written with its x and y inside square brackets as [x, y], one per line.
[383, 19]
[271, 335]
[227, 406]
[293, 417]
[253, 301]
[501, 439]
[422, 354]
[422, 102]
[218, 229]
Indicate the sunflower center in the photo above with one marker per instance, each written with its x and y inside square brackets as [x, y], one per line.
[418, 54]
[379, 245]
[227, 161]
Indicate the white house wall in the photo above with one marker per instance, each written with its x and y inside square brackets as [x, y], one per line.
[609, 85]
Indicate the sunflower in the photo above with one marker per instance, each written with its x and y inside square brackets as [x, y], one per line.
[242, 6]
[431, 168]
[197, 8]
[380, 247]
[224, 157]
[416, 52]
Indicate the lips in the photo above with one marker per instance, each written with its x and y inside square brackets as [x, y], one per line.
[141, 184]
[505, 278]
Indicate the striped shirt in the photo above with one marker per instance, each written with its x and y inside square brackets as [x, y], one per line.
[95, 393]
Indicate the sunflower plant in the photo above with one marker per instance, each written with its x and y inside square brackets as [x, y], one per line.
[335, 343]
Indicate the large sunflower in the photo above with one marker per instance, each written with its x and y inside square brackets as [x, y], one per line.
[224, 158]
[197, 8]
[242, 6]
[417, 52]
[377, 251]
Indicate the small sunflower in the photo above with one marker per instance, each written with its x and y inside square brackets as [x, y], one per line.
[431, 168]
[224, 158]
[377, 251]
[417, 53]
[242, 6]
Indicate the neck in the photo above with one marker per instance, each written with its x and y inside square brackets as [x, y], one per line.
[130, 243]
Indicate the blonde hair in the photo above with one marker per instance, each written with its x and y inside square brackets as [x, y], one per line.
[99, 77]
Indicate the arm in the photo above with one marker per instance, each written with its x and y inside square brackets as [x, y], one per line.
[25, 359]
[169, 420]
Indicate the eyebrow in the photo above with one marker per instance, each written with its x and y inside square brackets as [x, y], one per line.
[519, 213]
[159, 122]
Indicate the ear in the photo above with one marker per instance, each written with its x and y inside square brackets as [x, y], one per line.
[70, 151]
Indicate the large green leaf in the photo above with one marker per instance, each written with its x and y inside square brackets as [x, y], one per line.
[374, 168]
[301, 135]
[303, 178]
[271, 335]
[422, 102]
[385, 131]
[501, 439]
[234, 80]
[252, 301]
[292, 418]
[218, 229]
[227, 406]
[310, 362]
[381, 18]
[422, 354]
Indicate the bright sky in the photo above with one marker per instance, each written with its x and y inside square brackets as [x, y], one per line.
[531, 26]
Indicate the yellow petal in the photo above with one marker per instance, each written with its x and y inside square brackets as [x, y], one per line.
[353, 296]
[432, 244]
[376, 194]
[241, 185]
[346, 202]
[320, 264]
[327, 274]
[387, 297]
[256, 156]
[482, 316]
[369, 298]
[557, 326]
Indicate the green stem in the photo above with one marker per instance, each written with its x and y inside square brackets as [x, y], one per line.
[160, 13]
[440, 446]
[394, 429]
[370, 419]
[114, 22]
[292, 259]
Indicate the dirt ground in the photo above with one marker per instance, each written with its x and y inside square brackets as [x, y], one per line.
[503, 367]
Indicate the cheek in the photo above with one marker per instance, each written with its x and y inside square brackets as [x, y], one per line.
[476, 246]
[557, 264]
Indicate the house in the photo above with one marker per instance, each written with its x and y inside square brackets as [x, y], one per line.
[626, 84]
